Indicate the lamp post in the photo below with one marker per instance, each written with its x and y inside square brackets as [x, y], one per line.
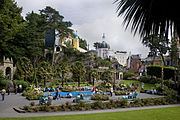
[162, 77]
[114, 84]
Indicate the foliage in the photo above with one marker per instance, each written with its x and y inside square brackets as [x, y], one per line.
[93, 75]
[24, 67]
[157, 44]
[83, 43]
[150, 80]
[61, 69]
[100, 97]
[106, 76]
[78, 70]
[3, 83]
[146, 17]
[154, 70]
[24, 84]
[103, 62]
[128, 74]
[45, 71]
[124, 92]
[10, 23]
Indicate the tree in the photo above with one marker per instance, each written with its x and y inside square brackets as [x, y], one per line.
[96, 45]
[147, 18]
[82, 43]
[62, 68]
[54, 21]
[10, 23]
[157, 45]
[24, 67]
[78, 70]
[93, 75]
[106, 76]
[45, 71]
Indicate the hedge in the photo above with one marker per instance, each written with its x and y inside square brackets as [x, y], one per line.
[155, 70]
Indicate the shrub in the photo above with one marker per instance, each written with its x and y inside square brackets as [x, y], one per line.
[97, 105]
[3, 83]
[32, 103]
[100, 97]
[138, 102]
[154, 70]
[128, 74]
[54, 108]
[121, 92]
[122, 103]
[36, 109]
[21, 82]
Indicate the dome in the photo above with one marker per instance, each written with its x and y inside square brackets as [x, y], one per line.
[103, 45]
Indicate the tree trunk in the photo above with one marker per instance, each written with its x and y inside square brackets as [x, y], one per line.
[93, 81]
[44, 82]
[62, 80]
[79, 82]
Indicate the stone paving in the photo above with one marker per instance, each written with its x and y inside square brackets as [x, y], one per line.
[12, 100]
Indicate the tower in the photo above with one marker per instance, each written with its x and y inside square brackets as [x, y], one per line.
[76, 42]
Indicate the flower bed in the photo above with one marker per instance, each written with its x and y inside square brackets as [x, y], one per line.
[121, 103]
[32, 94]
[100, 97]
[123, 92]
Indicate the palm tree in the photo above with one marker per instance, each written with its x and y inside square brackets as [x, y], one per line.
[93, 75]
[78, 70]
[24, 67]
[45, 71]
[150, 16]
[107, 76]
[62, 68]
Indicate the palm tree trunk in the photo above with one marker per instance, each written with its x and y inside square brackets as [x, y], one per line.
[93, 81]
[62, 80]
[79, 82]
[44, 82]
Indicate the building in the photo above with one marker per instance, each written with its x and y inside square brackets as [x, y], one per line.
[121, 57]
[135, 63]
[103, 50]
[76, 44]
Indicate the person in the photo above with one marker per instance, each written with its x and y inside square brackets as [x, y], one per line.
[16, 89]
[8, 89]
[111, 91]
[94, 89]
[142, 86]
[57, 94]
[50, 98]
[3, 92]
[81, 96]
[69, 95]
[20, 88]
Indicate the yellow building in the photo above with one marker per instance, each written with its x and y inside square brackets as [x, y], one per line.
[76, 42]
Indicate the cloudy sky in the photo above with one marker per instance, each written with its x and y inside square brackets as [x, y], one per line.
[92, 18]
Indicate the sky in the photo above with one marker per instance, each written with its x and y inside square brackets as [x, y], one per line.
[92, 18]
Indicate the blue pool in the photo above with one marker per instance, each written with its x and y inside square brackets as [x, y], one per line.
[74, 94]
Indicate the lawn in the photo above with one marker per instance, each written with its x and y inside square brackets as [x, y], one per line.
[146, 85]
[148, 114]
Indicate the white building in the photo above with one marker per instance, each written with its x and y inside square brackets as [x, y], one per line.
[121, 57]
[102, 50]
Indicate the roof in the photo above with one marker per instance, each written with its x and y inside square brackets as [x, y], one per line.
[103, 45]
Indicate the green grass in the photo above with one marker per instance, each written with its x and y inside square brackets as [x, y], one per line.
[148, 114]
[146, 85]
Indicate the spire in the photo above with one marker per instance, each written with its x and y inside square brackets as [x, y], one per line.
[76, 36]
[103, 37]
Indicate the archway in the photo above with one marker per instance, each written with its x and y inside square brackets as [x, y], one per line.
[8, 73]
